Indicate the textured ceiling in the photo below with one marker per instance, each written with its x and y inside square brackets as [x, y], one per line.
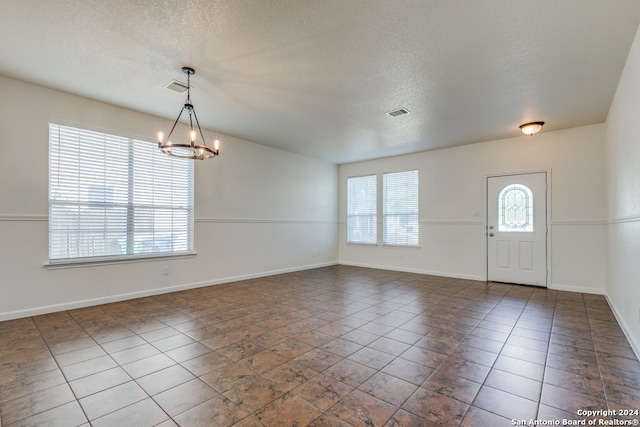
[316, 77]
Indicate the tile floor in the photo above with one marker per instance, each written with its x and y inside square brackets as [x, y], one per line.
[336, 346]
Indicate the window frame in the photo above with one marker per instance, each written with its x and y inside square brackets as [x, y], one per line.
[415, 212]
[144, 165]
[374, 214]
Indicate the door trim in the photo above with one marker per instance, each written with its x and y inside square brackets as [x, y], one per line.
[548, 219]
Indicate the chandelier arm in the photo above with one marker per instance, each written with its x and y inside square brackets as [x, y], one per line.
[199, 128]
[193, 143]
[174, 124]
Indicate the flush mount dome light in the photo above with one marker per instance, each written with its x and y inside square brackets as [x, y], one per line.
[531, 128]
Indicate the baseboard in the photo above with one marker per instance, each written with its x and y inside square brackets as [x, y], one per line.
[36, 311]
[635, 345]
[571, 288]
[416, 270]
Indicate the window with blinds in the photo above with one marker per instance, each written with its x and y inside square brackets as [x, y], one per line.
[400, 208]
[112, 197]
[362, 210]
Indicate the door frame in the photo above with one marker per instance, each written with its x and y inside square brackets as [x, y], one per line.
[548, 218]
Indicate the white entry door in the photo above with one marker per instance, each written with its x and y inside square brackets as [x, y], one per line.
[517, 229]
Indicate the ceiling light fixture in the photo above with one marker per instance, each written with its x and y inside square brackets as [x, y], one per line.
[531, 128]
[190, 150]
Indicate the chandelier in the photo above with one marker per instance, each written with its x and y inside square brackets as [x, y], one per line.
[191, 149]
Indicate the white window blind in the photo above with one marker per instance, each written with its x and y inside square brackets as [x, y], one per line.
[115, 197]
[400, 208]
[362, 210]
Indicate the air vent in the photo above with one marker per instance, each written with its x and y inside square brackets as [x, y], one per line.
[398, 112]
[177, 86]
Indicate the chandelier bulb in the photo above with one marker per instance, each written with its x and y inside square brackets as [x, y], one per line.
[160, 136]
[216, 144]
[192, 135]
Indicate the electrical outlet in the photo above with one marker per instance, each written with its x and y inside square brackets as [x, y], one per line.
[165, 270]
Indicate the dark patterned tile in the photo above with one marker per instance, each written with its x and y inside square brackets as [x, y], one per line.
[322, 391]
[327, 420]
[350, 372]
[291, 349]
[254, 392]
[435, 407]
[110, 400]
[569, 400]
[185, 396]
[476, 417]
[317, 359]
[164, 379]
[288, 411]
[290, 375]
[589, 385]
[403, 418]
[88, 367]
[524, 354]
[550, 413]
[388, 388]
[514, 384]
[429, 358]
[453, 386]
[146, 366]
[623, 396]
[359, 408]
[389, 346]
[217, 411]
[69, 414]
[520, 367]
[407, 370]
[404, 336]
[372, 358]
[465, 369]
[24, 385]
[98, 382]
[476, 355]
[31, 404]
[188, 352]
[425, 343]
[505, 404]
[143, 413]
[225, 377]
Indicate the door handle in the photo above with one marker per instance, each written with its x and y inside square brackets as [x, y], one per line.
[490, 234]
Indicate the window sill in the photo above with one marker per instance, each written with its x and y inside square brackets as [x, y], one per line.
[93, 262]
[384, 245]
[361, 244]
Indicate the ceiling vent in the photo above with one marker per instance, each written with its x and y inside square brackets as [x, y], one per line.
[177, 86]
[398, 112]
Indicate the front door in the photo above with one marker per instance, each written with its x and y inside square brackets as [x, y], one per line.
[517, 229]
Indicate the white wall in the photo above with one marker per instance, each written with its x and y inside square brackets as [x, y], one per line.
[258, 210]
[452, 186]
[623, 177]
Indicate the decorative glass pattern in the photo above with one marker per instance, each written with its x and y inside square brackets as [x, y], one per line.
[515, 209]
